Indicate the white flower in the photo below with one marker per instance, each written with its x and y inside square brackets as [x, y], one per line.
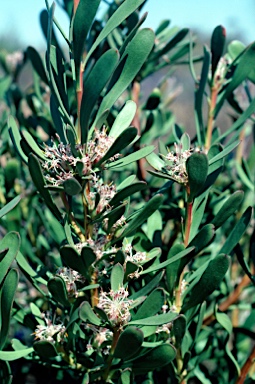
[116, 306]
[70, 277]
[177, 169]
[50, 332]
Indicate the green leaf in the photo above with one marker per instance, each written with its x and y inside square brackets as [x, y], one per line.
[9, 206]
[129, 343]
[57, 288]
[200, 319]
[208, 282]
[223, 153]
[128, 181]
[143, 215]
[72, 258]
[122, 141]
[83, 18]
[114, 215]
[45, 349]
[153, 101]
[122, 13]
[88, 256]
[235, 48]
[185, 142]
[37, 63]
[244, 65]
[197, 169]
[164, 318]
[16, 137]
[237, 232]
[126, 192]
[173, 259]
[30, 274]
[228, 208]
[126, 376]
[7, 296]
[151, 306]
[246, 180]
[117, 276]
[134, 57]
[155, 161]
[11, 244]
[180, 35]
[14, 355]
[179, 329]
[204, 237]
[198, 210]
[243, 262]
[31, 144]
[130, 268]
[37, 315]
[72, 186]
[94, 85]
[155, 358]
[172, 277]
[143, 152]
[225, 322]
[148, 287]
[123, 119]
[87, 314]
[39, 181]
[217, 46]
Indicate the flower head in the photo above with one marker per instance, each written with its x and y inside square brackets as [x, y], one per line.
[116, 306]
[50, 332]
[177, 168]
[71, 278]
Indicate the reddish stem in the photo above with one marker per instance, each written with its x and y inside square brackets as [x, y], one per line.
[79, 92]
[75, 5]
[246, 367]
[188, 223]
[214, 94]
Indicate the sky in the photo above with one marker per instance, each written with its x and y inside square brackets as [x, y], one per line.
[20, 18]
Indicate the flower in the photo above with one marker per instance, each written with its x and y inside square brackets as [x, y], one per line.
[61, 159]
[116, 306]
[177, 168]
[50, 332]
[70, 277]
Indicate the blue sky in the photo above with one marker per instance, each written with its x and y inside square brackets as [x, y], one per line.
[20, 17]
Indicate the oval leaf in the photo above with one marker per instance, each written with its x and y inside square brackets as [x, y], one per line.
[197, 169]
[129, 343]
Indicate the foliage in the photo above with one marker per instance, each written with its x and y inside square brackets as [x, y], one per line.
[127, 250]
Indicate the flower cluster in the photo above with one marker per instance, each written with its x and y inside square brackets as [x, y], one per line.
[50, 332]
[61, 159]
[136, 257]
[105, 191]
[99, 146]
[177, 168]
[70, 278]
[116, 306]
[100, 335]
[97, 246]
